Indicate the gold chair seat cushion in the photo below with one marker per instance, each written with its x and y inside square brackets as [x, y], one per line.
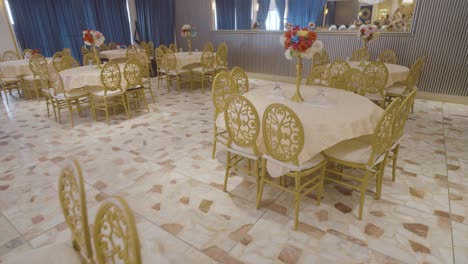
[397, 90]
[278, 168]
[368, 139]
[373, 96]
[100, 93]
[242, 151]
[58, 253]
[356, 150]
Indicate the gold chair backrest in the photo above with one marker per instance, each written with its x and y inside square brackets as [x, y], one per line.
[388, 56]
[416, 70]
[10, 55]
[320, 58]
[170, 60]
[55, 81]
[223, 86]
[208, 46]
[221, 55]
[242, 122]
[163, 47]
[241, 79]
[144, 62]
[159, 54]
[381, 139]
[91, 57]
[133, 73]
[112, 45]
[151, 47]
[68, 62]
[38, 64]
[402, 116]
[111, 77]
[318, 76]
[173, 47]
[103, 47]
[355, 80]
[131, 51]
[56, 59]
[143, 45]
[73, 202]
[67, 51]
[283, 133]
[360, 54]
[376, 75]
[335, 71]
[207, 60]
[115, 233]
[27, 53]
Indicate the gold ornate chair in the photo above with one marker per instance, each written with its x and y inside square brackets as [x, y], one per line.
[67, 51]
[133, 74]
[318, 76]
[336, 71]
[283, 135]
[223, 86]
[160, 68]
[145, 63]
[208, 46]
[10, 55]
[56, 59]
[73, 202]
[112, 45]
[370, 157]
[172, 72]
[27, 53]
[355, 80]
[376, 75]
[240, 77]
[36, 64]
[221, 57]
[62, 99]
[68, 62]
[173, 47]
[91, 57]
[388, 56]
[151, 49]
[115, 234]
[40, 69]
[320, 58]
[243, 128]
[360, 54]
[112, 95]
[131, 51]
[163, 47]
[202, 73]
[103, 47]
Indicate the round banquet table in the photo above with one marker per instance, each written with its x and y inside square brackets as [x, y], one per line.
[85, 77]
[113, 54]
[185, 60]
[16, 68]
[396, 73]
[341, 115]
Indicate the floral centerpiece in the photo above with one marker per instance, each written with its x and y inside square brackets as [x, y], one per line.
[93, 38]
[189, 31]
[300, 43]
[367, 33]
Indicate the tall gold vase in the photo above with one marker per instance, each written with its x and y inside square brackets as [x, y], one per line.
[189, 41]
[364, 48]
[297, 96]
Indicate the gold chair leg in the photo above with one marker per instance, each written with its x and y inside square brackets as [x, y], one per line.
[363, 194]
[70, 110]
[394, 163]
[257, 175]
[93, 110]
[228, 167]
[106, 109]
[321, 183]
[125, 106]
[214, 142]
[297, 200]
[262, 184]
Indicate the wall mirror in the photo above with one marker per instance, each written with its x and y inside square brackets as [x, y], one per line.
[328, 15]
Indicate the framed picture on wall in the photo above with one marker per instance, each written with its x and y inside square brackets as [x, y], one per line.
[365, 14]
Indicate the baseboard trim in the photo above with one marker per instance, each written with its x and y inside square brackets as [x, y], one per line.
[420, 95]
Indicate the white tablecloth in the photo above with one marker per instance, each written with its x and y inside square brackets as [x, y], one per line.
[184, 59]
[344, 116]
[85, 77]
[396, 73]
[113, 54]
[16, 68]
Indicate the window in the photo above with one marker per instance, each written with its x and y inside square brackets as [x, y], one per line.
[272, 21]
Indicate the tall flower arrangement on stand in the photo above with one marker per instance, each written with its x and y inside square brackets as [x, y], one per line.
[189, 31]
[367, 33]
[93, 38]
[300, 43]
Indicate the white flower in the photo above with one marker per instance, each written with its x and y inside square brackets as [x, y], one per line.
[287, 54]
[283, 40]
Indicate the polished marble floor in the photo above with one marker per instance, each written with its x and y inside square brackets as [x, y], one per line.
[160, 162]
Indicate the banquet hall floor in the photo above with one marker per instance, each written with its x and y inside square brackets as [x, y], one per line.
[160, 162]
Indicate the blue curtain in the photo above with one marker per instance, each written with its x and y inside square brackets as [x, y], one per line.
[156, 20]
[243, 14]
[225, 14]
[301, 12]
[281, 6]
[330, 18]
[262, 13]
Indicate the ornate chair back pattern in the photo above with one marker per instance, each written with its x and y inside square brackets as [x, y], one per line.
[133, 73]
[73, 202]
[416, 70]
[111, 77]
[38, 65]
[173, 47]
[171, 61]
[321, 58]
[221, 55]
[67, 51]
[91, 57]
[283, 133]
[68, 62]
[402, 116]
[359, 54]
[131, 51]
[376, 74]
[159, 58]
[208, 46]
[240, 78]
[112, 45]
[242, 122]
[56, 59]
[115, 234]
[381, 139]
[207, 60]
[388, 56]
[318, 76]
[144, 62]
[27, 53]
[223, 87]
[355, 80]
[151, 48]
[10, 55]
[55, 81]
[336, 70]
[163, 47]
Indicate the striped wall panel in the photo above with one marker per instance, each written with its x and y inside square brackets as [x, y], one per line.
[441, 34]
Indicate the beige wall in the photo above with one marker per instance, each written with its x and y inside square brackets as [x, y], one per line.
[6, 42]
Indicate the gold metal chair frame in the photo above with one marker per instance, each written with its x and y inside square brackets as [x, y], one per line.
[221, 57]
[68, 62]
[133, 74]
[360, 54]
[318, 76]
[241, 79]
[95, 60]
[283, 135]
[388, 56]
[206, 70]
[376, 75]
[173, 47]
[10, 84]
[354, 80]
[103, 47]
[145, 63]
[26, 52]
[336, 71]
[10, 55]
[37, 63]
[171, 71]
[112, 45]
[56, 59]
[320, 58]
[208, 46]
[160, 68]
[131, 51]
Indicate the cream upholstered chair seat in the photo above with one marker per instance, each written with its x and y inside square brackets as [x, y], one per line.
[10, 79]
[57, 253]
[30, 78]
[353, 150]
[110, 93]
[312, 162]
[71, 94]
[201, 69]
[398, 90]
[374, 96]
